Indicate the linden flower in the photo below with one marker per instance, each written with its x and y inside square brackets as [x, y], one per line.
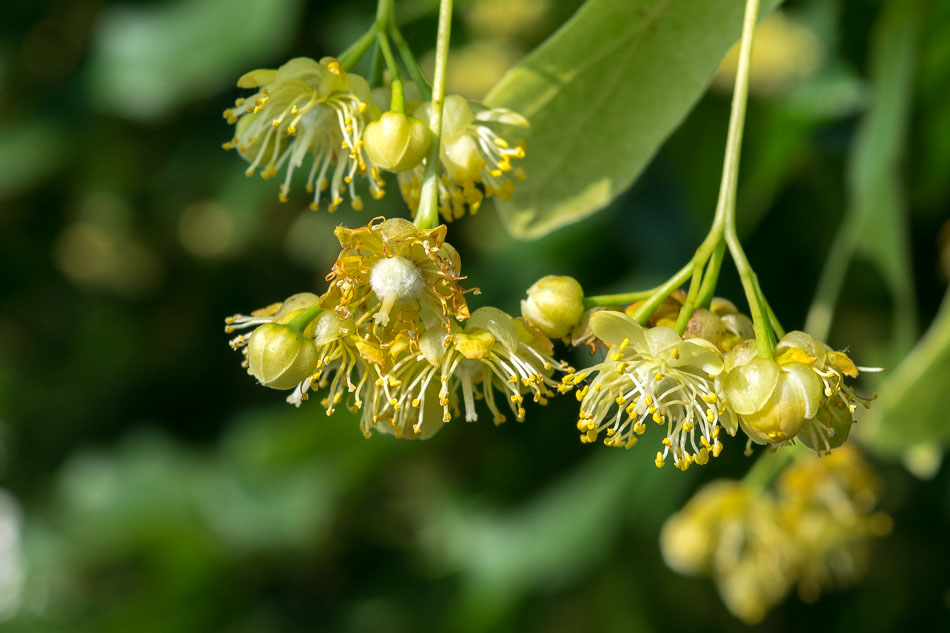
[307, 107]
[492, 352]
[653, 374]
[827, 504]
[475, 158]
[402, 276]
[799, 393]
[832, 424]
[734, 534]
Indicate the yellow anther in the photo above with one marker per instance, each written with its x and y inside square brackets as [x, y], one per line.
[659, 460]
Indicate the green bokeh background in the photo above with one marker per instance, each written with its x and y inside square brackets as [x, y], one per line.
[160, 490]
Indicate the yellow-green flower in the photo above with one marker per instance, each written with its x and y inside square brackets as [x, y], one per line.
[492, 352]
[734, 534]
[653, 375]
[403, 277]
[827, 505]
[801, 393]
[307, 107]
[475, 158]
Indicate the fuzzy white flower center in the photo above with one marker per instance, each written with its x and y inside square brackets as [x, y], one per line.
[393, 280]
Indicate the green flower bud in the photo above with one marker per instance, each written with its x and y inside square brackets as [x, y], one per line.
[397, 142]
[554, 304]
[279, 356]
[705, 325]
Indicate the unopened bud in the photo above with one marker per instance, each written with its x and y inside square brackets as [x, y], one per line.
[279, 356]
[705, 325]
[397, 142]
[554, 304]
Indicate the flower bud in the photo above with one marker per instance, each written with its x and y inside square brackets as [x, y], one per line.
[554, 304]
[397, 142]
[279, 356]
[705, 325]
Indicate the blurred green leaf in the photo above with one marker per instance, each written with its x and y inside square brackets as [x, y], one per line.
[602, 94]
[150, 59]
[29, 151]
[561, 533]
[875, 224]
[911, 409]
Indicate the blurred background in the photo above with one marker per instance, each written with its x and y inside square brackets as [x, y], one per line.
[148, 484]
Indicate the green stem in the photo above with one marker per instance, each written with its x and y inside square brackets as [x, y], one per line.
[687, 310]
[642, 314]
[398, 102]
[302, 320]
[773, 320]
[708, 288]
[410, 62]
[768, 466]
[357, 49]
[427, 216]
[603, 301]
[730, 178]
[376, 67]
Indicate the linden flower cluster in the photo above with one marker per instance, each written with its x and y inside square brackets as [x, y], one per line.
[476, 160]
[305, 108]
[394, 339]
[813, 532]
[707, 380]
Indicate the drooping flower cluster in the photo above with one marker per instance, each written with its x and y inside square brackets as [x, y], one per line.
[710, 378]
[476, 159]
[305, 108]
[394, 339]
[813, 532]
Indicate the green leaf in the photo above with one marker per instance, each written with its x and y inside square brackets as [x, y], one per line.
[911, 408]
[602, 95]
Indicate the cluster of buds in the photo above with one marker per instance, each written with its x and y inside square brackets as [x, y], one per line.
[476, 160]
[813, 532]
[705, 380]
[394, 338]
[315, 108]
